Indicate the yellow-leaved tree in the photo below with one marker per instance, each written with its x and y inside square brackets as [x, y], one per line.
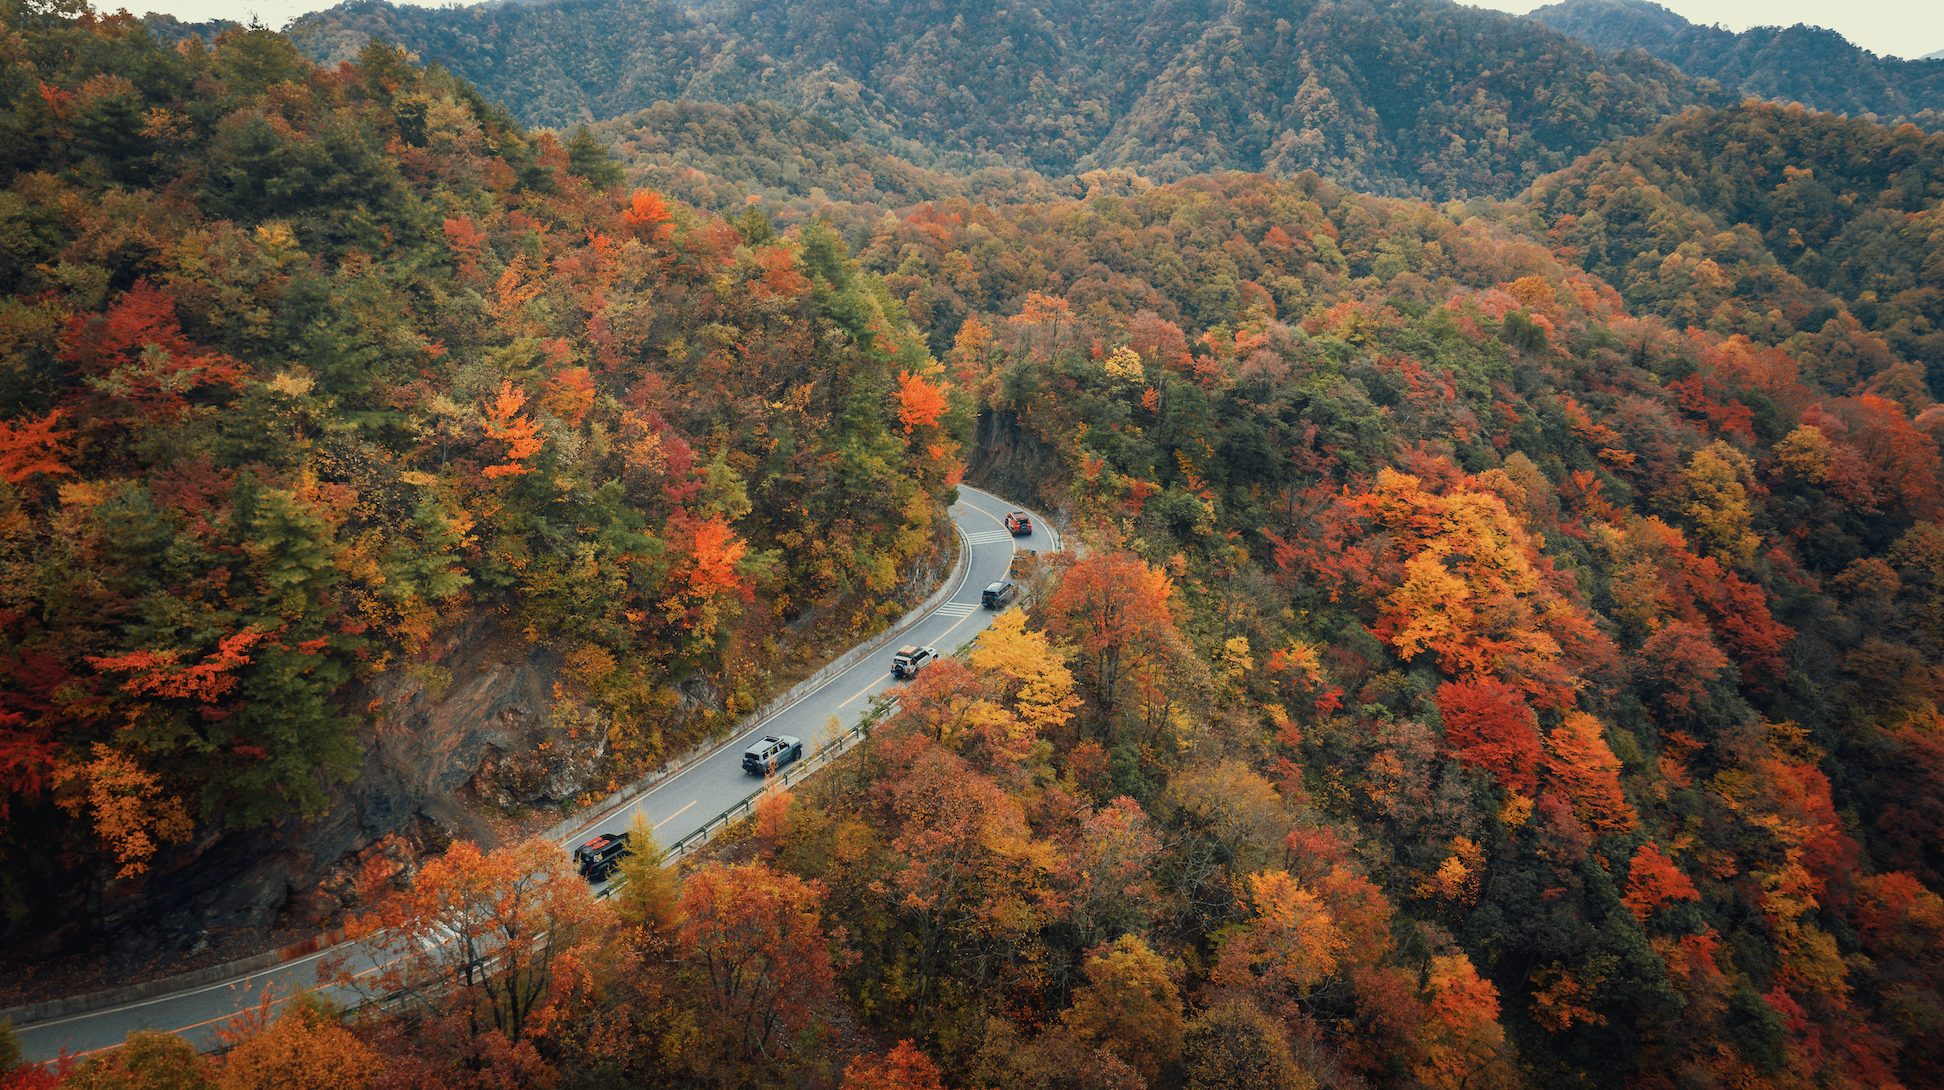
[1029, 671]
[1715, 499]
[1290, 947]
[1131, 1005]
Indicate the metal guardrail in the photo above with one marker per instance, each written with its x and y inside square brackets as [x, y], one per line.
[818, 761]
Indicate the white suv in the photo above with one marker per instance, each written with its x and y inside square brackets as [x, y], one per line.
[911, 659]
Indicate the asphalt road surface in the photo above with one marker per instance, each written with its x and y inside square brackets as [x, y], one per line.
[676, 807]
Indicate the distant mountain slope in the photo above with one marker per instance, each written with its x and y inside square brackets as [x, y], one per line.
[1454, 99]
[170, 30]
[1791, 227]
[555, 63]
[1402, 96]
[716, 156]
[1818, 68]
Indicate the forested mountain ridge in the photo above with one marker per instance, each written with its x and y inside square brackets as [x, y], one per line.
[1816, 67]
[1417, 96]
[1476, 673]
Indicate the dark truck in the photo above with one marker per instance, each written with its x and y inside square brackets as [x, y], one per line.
[597, 858]
[999, 595]
[771, 753]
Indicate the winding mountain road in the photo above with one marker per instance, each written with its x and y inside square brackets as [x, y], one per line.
[676, 806]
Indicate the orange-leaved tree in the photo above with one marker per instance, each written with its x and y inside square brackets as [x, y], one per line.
[754, 942]
[772, 819]
[520, 433]
[306, 1048]
[570, 394]
[647, 216]
[707, 573]
[1459, 577]
[503, 938]
[902, 1068]
[129, 805]
[29, 446]
[1582, 767]
[159, 673]
[920, 403]
[1653, 880]
[1115, 607]
[1290, 947]
[1465, 1046]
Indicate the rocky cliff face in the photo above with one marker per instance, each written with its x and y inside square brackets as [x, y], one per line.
[483, 722]
[1011, 461]
[488, 715]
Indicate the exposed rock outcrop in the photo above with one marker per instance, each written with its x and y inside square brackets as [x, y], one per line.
[1012, 461]
[481, 714]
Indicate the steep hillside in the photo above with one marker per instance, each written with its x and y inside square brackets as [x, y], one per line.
[307, 367]
[1417, 96]
[1816, 67]
[1602, 647]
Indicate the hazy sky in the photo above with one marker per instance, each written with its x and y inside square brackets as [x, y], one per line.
[1897, 28]
[1891, 28]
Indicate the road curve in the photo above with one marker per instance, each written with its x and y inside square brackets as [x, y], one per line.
[675, 806]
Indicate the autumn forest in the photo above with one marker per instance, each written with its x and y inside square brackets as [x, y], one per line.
[1502, 643]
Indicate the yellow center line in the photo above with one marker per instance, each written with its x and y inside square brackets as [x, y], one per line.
[875, 681]
[676, 814]
[955, 624]
[244, 1012]
[983, 511]
[881, 677]
[865, 689]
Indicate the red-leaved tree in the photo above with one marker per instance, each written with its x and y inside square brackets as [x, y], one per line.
[1489, 725]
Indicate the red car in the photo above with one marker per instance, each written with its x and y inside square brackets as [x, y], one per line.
[1019, 523]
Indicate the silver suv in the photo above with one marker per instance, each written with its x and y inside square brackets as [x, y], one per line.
[771, 753]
